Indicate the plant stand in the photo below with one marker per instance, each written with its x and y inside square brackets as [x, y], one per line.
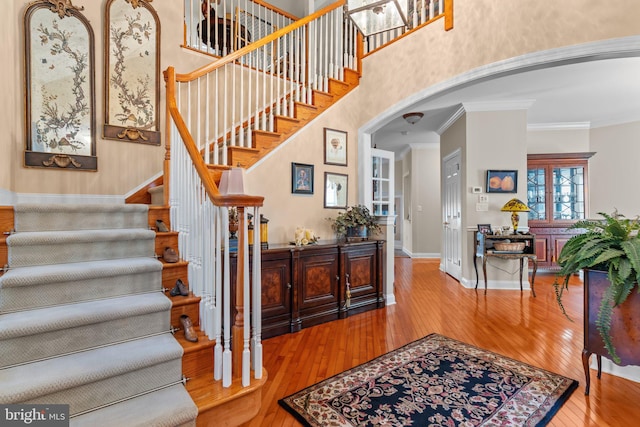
[625, 325]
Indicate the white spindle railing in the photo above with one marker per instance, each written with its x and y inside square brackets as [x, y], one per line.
[203, 228]
[223, 103]
[419, 12]
[236, 24]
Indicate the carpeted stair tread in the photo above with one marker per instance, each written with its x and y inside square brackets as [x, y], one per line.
[74, 370]
[73, 315]
[38, 217]
[31, 287]
[168, 407]
[57, 247]
[33, 335]
[35, 275]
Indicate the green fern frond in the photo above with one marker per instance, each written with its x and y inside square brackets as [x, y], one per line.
[603, 324]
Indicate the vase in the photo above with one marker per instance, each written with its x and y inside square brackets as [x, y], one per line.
[233, 229]
[358, 232]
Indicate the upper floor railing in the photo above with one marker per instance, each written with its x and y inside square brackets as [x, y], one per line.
[219, 27]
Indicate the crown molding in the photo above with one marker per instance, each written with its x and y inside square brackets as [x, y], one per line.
[518, 104]
[559, 126]
[451, 120]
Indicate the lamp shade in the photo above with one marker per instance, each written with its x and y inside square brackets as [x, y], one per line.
[515, 205]
[232, 181]
[376, 16]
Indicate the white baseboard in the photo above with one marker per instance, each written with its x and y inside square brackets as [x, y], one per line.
[389, 299]
[421, 254]
[511, 285]
[7, 198]
[629, 372]
[68, 198]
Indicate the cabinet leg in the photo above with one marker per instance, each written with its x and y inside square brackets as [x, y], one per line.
[585, 363]
[599, 361]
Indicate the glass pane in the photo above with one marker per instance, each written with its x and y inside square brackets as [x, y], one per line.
[568, 193]
[377, 190]
[536, 188]
[384, 168]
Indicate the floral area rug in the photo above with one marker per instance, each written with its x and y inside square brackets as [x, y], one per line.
[434, 381]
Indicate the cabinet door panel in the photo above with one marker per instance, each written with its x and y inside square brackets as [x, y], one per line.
[276, 288]
[317, 281]
[362, 273]
[542, 248]
[558, 244]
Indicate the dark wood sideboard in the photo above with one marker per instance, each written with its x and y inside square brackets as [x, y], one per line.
[309, 285]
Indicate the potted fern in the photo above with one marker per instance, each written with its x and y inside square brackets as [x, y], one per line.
[609, 251]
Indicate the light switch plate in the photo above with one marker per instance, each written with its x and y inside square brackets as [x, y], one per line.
[482, 207]
[483, 198]
[476, 190]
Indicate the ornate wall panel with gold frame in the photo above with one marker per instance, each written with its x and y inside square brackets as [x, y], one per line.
[132, 72]
[59, 70]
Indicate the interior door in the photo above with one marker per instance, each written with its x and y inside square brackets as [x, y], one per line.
[452, 216]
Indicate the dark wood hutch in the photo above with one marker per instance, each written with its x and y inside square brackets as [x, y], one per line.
[557, 194]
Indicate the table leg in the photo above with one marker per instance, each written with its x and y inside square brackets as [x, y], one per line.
[533, 274]
[475, 265]
[521, 268]
[484, 272]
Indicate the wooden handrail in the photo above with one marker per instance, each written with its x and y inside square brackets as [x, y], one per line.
[234, 56]
[275, 9]
[201, 168]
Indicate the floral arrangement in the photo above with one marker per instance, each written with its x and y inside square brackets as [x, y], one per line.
[305, 236]
[354, 217]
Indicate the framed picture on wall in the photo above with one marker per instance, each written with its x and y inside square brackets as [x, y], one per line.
[335, 147]
[502, 181]
[301, 178]
[335, 190]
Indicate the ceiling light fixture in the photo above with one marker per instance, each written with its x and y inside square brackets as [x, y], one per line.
[376, 16]
[412, 118]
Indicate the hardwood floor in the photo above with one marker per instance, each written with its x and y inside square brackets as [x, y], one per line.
[511, 323]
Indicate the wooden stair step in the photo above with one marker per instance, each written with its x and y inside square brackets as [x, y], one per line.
[171, 272]
[351, 77]
[159, 212]
[305, 112]
[230, 406]
[286, 125]
[322, 100]
[338, 87]
[197, 359]
[164, 240]
[267, 141]
[189, 305]
[243, 156]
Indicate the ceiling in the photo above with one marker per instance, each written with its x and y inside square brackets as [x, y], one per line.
[587, 94]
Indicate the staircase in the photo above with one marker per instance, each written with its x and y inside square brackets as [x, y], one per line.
[84, 320]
